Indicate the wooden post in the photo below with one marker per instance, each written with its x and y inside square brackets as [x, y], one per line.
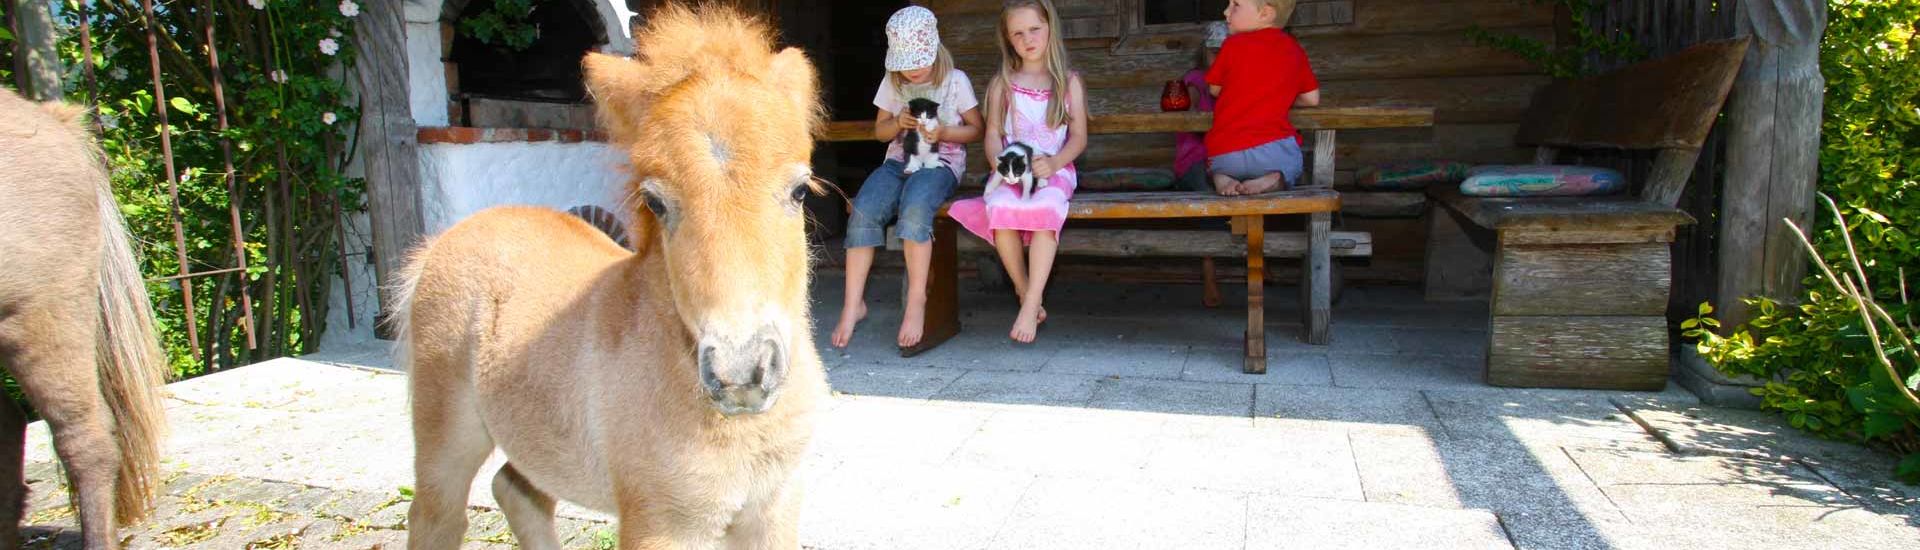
[1256, 350]
[36, 50]
[1773, 153]
[388, 134]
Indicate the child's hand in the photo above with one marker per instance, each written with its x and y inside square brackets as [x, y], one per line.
[907, 121]
[1044, 167]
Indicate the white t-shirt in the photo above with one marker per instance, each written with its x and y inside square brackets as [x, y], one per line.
[955, 96]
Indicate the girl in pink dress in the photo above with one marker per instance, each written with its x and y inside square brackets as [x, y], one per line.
[1037, 100]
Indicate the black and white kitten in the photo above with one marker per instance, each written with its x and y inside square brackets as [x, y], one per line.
[1015, 168]
[922, 151]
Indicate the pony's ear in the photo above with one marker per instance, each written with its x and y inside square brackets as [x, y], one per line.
[618, 88]
[791, 71]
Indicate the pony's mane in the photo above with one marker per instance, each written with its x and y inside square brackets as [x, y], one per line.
[686, 52]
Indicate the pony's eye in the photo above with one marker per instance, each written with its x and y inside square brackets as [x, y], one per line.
[659, 207]
[800, 192]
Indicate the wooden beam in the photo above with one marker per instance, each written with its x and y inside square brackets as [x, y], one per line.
[1187, 204]
[1135, 243]
[1773, 154]
[388, 134]
[1305, 119]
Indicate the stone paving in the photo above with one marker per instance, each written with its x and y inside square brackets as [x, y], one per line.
[1128, 425]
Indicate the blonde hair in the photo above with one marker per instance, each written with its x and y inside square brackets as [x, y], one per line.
[1282, 10]
[942, 66]
[1057, 67]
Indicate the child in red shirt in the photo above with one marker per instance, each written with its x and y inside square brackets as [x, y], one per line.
[1260, 75]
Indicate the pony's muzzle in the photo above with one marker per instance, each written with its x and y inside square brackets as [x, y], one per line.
[743, 376]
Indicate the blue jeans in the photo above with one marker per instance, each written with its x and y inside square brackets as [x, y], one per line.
[1281, 155]
[889, 194]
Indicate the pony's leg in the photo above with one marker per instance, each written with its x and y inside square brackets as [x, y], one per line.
[450, 444]
[770, 525]
[13, 484]
[529, 510]
[53, 360]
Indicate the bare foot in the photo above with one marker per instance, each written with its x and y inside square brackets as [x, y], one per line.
[1225, 186]
[912, 322]
[1263, 184]
[843, 332]
[1025, 325]
[1042, 318]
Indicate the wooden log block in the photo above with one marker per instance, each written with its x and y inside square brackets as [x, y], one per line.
[1608, 279]
[1628, 353]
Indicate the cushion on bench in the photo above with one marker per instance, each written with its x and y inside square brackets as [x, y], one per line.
[1542, 181]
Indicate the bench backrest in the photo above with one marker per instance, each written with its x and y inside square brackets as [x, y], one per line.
[1668, 104]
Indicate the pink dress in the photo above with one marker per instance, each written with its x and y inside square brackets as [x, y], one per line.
[1046, 210]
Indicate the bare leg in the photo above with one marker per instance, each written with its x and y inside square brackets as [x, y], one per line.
[1040, 263]
[854, 307]
[1012, 254]
[913, 321]
[529, 511]
[1263, 184]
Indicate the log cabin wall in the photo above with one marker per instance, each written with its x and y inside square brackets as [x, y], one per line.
[1364, 52]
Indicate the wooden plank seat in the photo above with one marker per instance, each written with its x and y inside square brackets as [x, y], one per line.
[1579, 285]
[1315, 199]
[1249, 213]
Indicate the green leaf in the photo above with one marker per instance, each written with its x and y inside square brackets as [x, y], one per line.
[181, 104]
[1705, 308]
[1689, 323]
[4, 35]
[1881, 424]
[1909, 469]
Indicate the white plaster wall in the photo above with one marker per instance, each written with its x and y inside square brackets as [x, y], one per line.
[459, 180]
[427, 75]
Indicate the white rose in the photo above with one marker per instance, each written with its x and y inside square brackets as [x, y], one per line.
[328, 46]
[328, 118]
[348, 8]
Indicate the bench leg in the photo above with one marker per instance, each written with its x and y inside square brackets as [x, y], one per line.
[943, 290]
[1256, 356]
[1210, 292]
[1316, 279]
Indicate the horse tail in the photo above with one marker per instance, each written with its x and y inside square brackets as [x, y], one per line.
[132, 367]
[401, 289]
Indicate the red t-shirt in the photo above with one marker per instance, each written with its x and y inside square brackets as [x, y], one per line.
[1259, 73]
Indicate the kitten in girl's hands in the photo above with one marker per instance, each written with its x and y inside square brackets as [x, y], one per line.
[1015, 168]
[922, 150]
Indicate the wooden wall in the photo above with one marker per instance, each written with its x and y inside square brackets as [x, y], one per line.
[1364, 52]
[1394, 51]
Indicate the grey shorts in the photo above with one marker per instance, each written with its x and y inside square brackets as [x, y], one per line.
[1281, 156]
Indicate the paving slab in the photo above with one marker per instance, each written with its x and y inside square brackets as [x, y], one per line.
[1228, 364]
[891, 380]
[1254, 459]
[1131, 360]
[1095, 514]
[1363, 409]
[1293, 522]
[1172, 396]
[1020, 388]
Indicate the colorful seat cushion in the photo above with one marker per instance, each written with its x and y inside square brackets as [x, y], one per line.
[1541, 181]
[1414, 175]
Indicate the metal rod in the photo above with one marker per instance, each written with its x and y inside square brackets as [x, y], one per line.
[346, 273]
[173, 181]
[195, 275]
[233, 192]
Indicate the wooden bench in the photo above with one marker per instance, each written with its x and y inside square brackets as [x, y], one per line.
[1579, 285]
[1315, 199]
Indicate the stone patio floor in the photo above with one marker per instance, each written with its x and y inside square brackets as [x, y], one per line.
[1128, 425]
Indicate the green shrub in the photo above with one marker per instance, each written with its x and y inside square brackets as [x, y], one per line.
[1821, 360]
